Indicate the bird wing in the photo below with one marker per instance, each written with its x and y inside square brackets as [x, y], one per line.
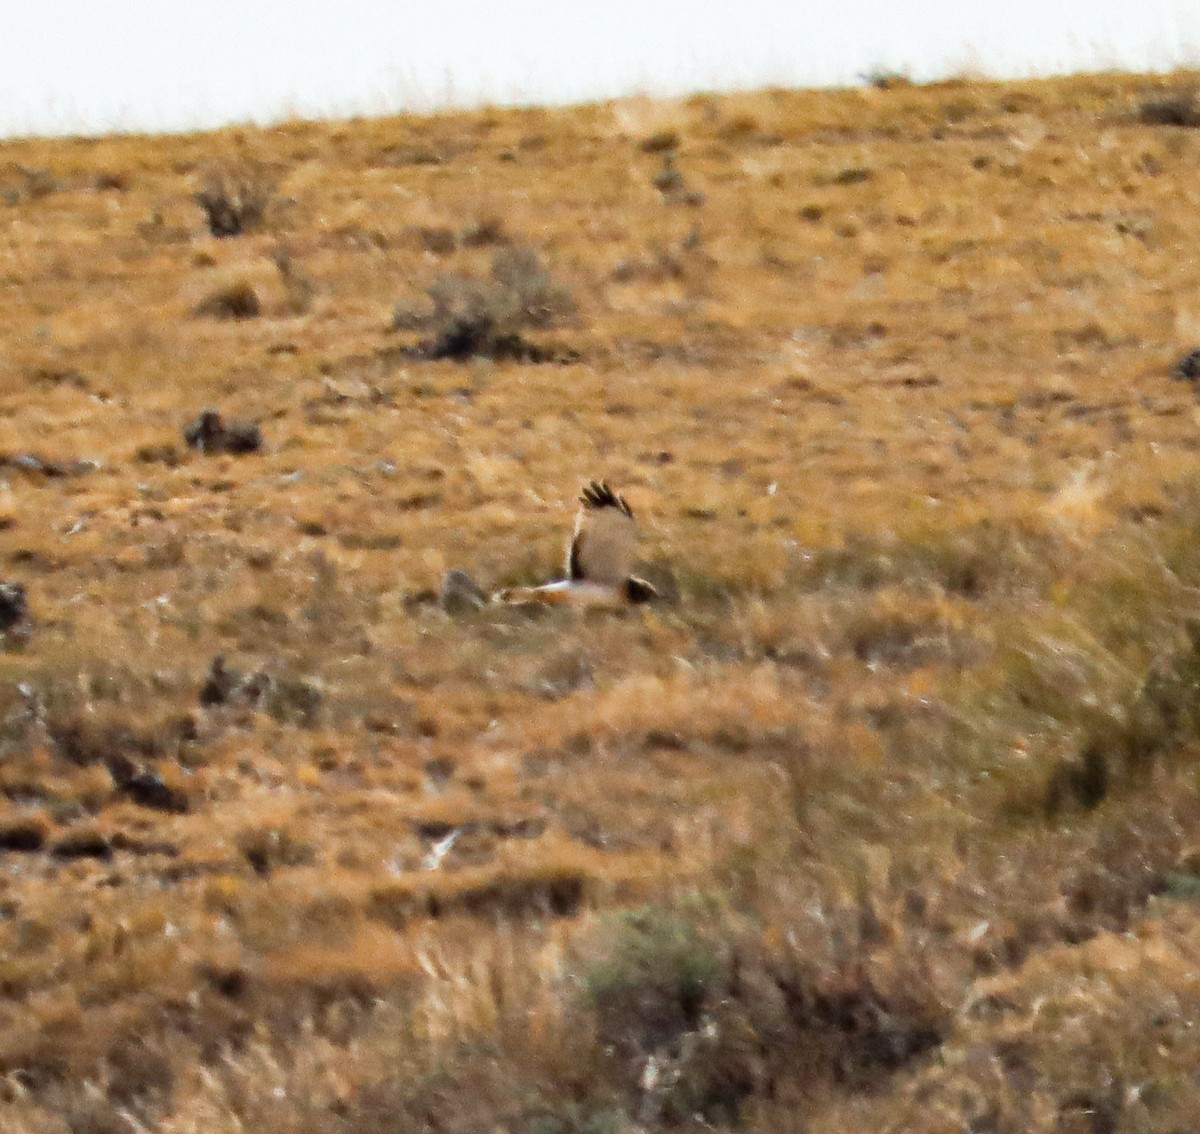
[603, 547]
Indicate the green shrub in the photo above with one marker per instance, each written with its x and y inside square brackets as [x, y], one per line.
[651, 980]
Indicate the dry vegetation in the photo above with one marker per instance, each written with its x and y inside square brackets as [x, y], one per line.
[891, 821]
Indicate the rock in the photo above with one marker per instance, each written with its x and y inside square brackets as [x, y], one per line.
[35, 465]
[205, 432]
[210, 434]
[1187, 369]
[242, 437]
[14, 607]
[460, 594]
[149, 789]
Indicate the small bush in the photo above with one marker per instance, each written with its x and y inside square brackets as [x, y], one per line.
[298, 286]
[486, 230]
[475, 318]
[39, 183]
[275, 287]
[520, 275]
[651, 980]
[274, 848]
[294, 700]
[234, 299]
[471, 318]
[673, 186]
[235, 198]
[660, 142]
[886, 78]
[1161, 717]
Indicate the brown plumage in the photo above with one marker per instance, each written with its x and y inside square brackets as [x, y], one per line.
[600, 557]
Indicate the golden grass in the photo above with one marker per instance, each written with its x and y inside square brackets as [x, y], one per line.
[888, 820]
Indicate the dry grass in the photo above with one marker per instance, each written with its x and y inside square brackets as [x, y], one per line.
[887, 820]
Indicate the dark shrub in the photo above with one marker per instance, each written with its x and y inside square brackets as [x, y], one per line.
[1170, 108]
[235, 198]
[1187, 369]
[483, 318]
[651, 981]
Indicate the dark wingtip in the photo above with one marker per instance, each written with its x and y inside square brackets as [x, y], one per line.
[595, 494]
[639, 591]
[599, 494]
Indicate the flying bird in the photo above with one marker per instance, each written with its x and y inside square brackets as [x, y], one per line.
[599, 558]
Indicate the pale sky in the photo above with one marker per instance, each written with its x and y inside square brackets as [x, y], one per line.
[97, 66]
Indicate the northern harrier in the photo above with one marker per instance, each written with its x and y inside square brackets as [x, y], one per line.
[599, 558]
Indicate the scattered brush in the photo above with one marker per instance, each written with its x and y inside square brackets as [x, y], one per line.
[381, 889]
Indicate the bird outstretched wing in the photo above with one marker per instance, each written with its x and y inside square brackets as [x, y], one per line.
[603, 547]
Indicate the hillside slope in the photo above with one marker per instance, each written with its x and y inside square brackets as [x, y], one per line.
[886, 818]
